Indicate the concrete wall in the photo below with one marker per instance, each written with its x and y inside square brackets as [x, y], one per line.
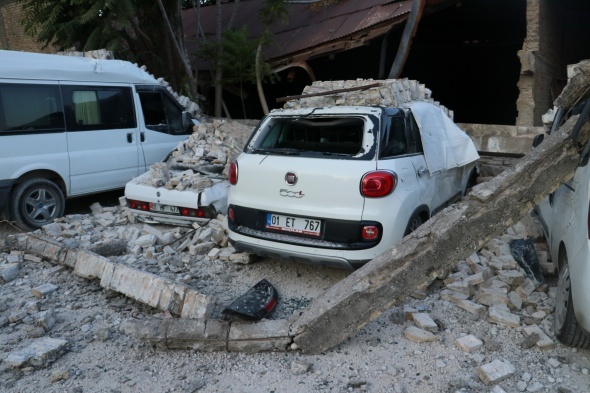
[12, 33]
[495, 138]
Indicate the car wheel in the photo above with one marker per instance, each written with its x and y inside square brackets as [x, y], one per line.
[36, 202]
[413, 224]
[565, 324]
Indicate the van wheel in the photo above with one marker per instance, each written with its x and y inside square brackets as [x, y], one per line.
[36, 202]
[413, 224]
[565, 324]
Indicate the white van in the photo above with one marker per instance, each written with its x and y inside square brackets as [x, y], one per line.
[71, 126]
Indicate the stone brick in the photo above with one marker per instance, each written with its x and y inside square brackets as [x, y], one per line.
[514, 301]
[476, 278]
[490, 297]
[462, 287]
[417, 335]
[196, 305]
[68, 258]
[453, 296]
[153, 331]
[242, 258]
[53, 271]
[526, 288]
[425, 322]
[474, 263]
[473, 308]
[263, 345]
[511, 277]
[90, 265]
[44, 290]
[495, 371]
[544, 341]
[502, 316]
[469, 343]
[46, 319]
[184, 333]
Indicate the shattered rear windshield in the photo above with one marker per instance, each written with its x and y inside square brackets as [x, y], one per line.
[340, 137]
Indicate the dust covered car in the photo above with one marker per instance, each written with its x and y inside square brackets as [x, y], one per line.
[337, 186]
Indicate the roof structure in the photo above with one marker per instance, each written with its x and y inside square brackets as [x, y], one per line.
[312, 29]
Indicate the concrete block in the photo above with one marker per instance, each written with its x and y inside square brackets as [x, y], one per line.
[196, 305]
[153, 331]
[425, 322]
[461, 286]
[9, 272]
[526, 288]
[183, 333]
[254, 346]
[259, 330]
[40, 353]
[172, 297]
[514, 301]
[417, 335]
[46, 319]
[453, 296]
[511, 277]
[474, 263]
[495, 371]
[68, 258]
[44, 290]
[469, 343]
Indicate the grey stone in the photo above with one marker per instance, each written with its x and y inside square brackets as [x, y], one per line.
[46, 319]
[9, 272]
[298, 367]
[502, 315]
[495, 371]
[469, 343]
[40, 353]
[417, 335]
[425, 322]
[44, 290]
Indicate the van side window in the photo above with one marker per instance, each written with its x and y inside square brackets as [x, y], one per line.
[161, 113]
[393, 137]
[98, 108]
[30, 108]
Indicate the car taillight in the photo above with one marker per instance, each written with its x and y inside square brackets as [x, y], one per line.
[202, 212]
[378, 184]
[370, 232]
[231, 215]
[233, 173]
[138, 205]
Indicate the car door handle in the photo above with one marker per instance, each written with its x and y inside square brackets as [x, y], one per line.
[142, 136]
[130, 137]
[422, 171]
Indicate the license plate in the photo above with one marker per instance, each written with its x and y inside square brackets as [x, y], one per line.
[300, 225]
[158, 207]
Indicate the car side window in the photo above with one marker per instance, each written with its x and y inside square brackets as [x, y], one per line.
[98, 108]
[393, 141]
[415, 140]
[161, 113]
[30, 108]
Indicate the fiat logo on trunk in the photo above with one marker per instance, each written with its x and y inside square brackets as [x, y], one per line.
[291, 178]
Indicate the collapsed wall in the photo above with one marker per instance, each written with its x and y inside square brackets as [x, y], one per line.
[388, 92]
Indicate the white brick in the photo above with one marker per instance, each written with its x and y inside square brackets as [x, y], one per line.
[469, 343]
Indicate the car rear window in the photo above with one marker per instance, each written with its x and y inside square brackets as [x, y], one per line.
[323, 136]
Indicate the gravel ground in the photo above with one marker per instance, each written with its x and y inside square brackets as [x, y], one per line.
[378, 359]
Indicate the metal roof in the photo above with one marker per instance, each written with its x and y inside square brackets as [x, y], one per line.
[310, 31]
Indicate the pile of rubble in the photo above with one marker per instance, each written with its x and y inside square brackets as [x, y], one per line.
[388, 92]
[202, 158]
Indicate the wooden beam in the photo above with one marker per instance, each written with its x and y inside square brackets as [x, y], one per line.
[406, 41]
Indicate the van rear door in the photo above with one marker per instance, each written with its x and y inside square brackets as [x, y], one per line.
[102, 136]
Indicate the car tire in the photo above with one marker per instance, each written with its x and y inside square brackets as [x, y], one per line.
[413, 224]
[36, 202]
[565, 324]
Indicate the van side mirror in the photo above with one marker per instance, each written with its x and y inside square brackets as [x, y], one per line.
[538, 139]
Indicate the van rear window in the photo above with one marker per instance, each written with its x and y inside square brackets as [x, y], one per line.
[30, 108]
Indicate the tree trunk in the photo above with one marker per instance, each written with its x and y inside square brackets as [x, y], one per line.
[218, 70]
[261, 96]
[448, 237]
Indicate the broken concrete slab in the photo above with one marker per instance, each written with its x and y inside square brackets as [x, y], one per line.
[495, 371]
[40, 353]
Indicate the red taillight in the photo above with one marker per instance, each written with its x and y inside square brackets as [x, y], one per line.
[230, 214]
[370, 232]
[187, 212]
[138, 205]
[233, 173]
[378, 184]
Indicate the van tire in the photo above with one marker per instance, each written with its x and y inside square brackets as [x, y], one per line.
[36, 202]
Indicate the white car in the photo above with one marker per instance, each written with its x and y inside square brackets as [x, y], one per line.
[337, 186]
[565, 217]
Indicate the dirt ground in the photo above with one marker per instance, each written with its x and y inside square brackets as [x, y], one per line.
[100, 358]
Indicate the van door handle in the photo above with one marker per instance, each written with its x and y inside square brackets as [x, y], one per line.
[142, 136]
[421, 171]
[130, 137]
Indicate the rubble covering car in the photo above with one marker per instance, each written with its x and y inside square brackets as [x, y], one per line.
[190, 185]
[338, 185]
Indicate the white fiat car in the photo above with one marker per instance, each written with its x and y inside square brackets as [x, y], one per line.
[565, 217]
[337, 186]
